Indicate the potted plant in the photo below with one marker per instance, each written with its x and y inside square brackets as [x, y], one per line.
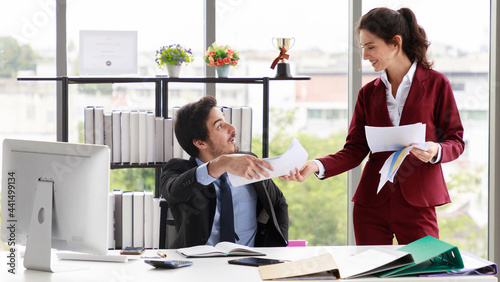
[172, 57]
[222, 57]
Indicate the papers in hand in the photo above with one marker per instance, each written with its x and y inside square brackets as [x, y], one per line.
[395, 138]
[294, 157]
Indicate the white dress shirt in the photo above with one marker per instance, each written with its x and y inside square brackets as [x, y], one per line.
[395, 104]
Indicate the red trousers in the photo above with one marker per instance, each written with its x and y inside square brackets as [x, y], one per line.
[379, 224]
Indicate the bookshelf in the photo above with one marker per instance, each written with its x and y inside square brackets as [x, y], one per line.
[161, 101]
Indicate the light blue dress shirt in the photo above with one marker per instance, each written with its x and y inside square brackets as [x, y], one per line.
[244, 205]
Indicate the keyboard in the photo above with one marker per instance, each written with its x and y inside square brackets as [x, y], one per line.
[91, 257]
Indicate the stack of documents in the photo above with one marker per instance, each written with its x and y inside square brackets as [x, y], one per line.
[395, 138]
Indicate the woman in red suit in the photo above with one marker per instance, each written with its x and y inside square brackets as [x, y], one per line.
[408, 91]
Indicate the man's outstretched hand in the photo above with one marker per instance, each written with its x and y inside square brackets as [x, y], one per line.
[243, 165]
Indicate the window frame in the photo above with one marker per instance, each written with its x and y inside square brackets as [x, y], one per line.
[494, 134]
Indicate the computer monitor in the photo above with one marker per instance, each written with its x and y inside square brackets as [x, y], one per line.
[54, 195]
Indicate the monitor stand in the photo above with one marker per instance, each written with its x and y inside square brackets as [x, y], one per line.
[39, 243]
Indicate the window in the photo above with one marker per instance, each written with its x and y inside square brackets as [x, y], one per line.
[314, 114]
[303, 109]
[27, 47]
[158, 23]
[458, 86]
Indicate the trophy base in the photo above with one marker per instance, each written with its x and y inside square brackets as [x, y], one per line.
[283, 70]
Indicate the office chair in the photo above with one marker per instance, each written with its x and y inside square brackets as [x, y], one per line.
[167, 225]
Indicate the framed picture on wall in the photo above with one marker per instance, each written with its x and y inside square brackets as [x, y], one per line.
[108, 52]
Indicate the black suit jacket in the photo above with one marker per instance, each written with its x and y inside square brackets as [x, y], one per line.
[193, 207]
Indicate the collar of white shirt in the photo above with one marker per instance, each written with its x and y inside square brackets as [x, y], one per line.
[396, 104]
[409, 75]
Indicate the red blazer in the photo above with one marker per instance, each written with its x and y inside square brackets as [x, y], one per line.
[429, 101]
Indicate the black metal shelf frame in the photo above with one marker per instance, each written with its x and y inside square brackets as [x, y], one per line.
[161, 100]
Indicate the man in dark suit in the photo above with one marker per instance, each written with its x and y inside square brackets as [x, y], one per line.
[193, 187]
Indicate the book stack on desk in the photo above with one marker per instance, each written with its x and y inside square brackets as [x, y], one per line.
[140, 137]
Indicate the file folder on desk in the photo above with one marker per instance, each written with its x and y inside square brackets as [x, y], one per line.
[430, 255]
[473, 265]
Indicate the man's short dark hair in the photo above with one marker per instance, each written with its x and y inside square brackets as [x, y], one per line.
[190, 123]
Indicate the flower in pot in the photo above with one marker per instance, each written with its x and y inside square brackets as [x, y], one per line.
[222, 57]
[172, 57]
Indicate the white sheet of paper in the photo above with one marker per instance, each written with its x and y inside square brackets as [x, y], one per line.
[294, 157]
[393, 138]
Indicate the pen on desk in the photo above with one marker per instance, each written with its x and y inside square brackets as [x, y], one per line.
[163, 255]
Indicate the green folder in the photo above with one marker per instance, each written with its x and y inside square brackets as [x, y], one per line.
[430, 255]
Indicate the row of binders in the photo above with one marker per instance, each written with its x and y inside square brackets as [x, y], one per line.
[425, 257]
[134, 219]
[140, 137]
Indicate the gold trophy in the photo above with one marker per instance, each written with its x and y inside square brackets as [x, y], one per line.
[282, 44]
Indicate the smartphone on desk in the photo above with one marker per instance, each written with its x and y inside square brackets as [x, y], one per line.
[132, 251]
[255, 261]
[169, 263]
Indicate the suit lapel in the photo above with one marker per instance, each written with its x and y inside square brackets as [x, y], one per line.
[415, 95]
[380, 104]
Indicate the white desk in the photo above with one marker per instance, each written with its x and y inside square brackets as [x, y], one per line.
[203, 269]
